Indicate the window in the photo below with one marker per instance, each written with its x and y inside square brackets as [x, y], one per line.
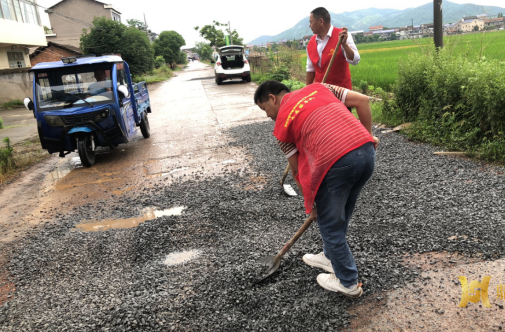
[5, 10]
[16, 59]
[121, 78]
[19, 10]
[116, 17]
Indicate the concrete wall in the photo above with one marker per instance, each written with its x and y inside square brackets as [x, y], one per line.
[68, 32]
[18, 33]
[4, 61]
[51, 53]
[15, 84]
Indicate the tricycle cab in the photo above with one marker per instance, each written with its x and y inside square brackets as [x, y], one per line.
[81, 103]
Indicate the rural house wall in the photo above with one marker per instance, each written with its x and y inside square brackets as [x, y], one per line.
[69, 31]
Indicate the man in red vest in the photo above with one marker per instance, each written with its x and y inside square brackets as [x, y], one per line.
[321, 47]
[332, 156]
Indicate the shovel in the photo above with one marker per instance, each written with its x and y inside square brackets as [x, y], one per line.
[288, 189]
[271, 263]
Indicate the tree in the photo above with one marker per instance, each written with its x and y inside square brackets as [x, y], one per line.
[203, 50]
[215, 35]
[394, 36]
[108, 36]
[500, 14]
[169, 45]
[476, 28]
[139, 25]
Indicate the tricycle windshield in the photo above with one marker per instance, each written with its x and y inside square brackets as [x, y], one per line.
[61, 88]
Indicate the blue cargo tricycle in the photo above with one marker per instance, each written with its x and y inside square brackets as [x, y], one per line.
[86, 102]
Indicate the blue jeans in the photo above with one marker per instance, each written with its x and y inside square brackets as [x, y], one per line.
[335, 201]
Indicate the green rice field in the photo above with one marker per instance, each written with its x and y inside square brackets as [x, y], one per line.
[379, 61]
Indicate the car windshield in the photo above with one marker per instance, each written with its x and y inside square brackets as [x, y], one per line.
[62, 88]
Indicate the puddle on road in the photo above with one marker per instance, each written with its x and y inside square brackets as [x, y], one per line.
[148, 214]
[176, 258]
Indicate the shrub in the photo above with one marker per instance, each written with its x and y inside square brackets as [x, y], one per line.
[6, 154]
[457, 102]
[1, 123]
[293, 84]
[159, 61]
[363, 86]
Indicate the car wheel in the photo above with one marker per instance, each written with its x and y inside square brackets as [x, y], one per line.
[248, 78]
[86, 154]
[144, 127]
[219, 81]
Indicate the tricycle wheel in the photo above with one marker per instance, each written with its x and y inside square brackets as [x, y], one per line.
[86, 154]
[144, 127]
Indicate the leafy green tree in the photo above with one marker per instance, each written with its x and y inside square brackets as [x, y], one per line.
[169, 45]
[476, 28]
[203, 50]
[394, 36]
[500, 14]
[215, 35]
[108, 36]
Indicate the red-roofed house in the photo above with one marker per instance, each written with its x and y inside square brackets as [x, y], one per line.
[376, 28]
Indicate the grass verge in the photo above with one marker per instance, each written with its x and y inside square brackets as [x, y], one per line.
[24, 154]
[12, 104]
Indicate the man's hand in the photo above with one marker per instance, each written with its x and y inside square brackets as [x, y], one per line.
[313, 214]
[375, 142]
[343, 35]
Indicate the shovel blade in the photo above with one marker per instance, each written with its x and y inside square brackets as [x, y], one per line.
[270, 264]
[288, 189]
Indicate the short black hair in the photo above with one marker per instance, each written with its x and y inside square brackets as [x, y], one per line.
[268, 88]
[321, 12]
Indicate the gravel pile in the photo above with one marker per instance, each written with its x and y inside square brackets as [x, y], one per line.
[115, 280]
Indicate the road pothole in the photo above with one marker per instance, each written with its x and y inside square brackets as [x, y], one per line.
[148, 214]
[177, 258]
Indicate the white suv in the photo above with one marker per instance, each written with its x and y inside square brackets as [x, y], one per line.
[231, 63]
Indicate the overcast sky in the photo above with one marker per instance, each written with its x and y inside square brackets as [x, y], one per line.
[260, 18]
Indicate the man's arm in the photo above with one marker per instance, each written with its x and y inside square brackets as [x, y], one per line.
[293, 163]
[310, 78]
[311, 72]
[349, 48]
[362, 104]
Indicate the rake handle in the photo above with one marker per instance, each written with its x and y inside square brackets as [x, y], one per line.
[333, 58]
[285, 174]
[295, 237]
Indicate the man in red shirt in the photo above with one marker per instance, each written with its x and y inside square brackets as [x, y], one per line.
[332, 156]
[321, 48]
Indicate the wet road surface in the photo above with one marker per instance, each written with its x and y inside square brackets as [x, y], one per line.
[163, 233]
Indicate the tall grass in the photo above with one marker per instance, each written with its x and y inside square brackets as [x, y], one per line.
[379, 61]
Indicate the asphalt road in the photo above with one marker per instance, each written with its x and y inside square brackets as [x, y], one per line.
[164, 233]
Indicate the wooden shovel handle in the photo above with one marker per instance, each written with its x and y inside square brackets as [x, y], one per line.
[295, 237]
[285, 174]
[332, 59]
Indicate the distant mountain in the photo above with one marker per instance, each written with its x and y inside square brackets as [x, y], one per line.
[365, 18]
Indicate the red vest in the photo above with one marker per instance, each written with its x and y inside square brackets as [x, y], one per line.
[322, 129]
[339, 74]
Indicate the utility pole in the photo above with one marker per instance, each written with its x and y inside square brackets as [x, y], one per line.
[229, 30]
[438, 32]
[145, 23]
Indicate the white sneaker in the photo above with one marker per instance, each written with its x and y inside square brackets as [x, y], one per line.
[319, 261]
[330, 282]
